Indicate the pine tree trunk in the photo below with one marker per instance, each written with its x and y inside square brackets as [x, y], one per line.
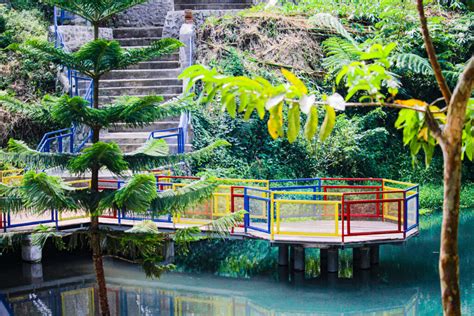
[99, 266]
[95, 237]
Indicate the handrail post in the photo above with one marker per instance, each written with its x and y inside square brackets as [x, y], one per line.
[247, 210]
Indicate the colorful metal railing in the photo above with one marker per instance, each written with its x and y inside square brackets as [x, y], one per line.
[339, 209]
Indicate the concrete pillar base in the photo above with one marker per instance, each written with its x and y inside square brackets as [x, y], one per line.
[298, 258]
[323, 260]
[33, 272]
[364, 258]
[333, 260]
[169, 252]
[29, 252]
[374, 255]
[283, 255]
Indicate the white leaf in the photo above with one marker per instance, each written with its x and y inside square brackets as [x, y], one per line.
[306, 102]
[337, 102]
[274, 101]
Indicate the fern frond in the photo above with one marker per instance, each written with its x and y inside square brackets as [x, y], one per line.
[327, 21]
[413, 63]
[141, 161]
[339, 52]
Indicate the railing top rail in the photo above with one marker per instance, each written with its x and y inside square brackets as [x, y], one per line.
[399, 182]
[307, 193]
[373, 192]
[353, 179]
[294, 180]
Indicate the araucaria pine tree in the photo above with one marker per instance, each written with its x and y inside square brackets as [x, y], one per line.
[39, 192]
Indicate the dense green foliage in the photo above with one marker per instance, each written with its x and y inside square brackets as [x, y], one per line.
[28, 77]
[365, 143]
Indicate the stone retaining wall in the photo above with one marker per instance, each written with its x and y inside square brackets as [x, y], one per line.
[152, 13]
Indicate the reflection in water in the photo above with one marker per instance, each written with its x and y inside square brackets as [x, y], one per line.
[79, 298]
[242, 278]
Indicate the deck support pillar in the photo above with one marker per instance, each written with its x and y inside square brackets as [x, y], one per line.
[298, 258]
[356, 258]
[169, 252]
[33, 272]
[30, 253]
[374, 254]
[333, 260]
[323, 260]
[283, 255]
[364, 258]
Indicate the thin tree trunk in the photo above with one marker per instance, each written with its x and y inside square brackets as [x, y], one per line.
[99, 266]
[95, 237]
[452, 148]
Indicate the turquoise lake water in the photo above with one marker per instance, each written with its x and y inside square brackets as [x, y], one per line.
[242, 278]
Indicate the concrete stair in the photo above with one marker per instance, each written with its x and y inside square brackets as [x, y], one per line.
[212, 4]
[155, 77]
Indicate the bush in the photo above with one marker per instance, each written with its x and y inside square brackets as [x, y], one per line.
[431, 196]
[28, 78]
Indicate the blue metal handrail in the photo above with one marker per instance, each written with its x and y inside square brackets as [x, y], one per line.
[180, 138]
[74, 78]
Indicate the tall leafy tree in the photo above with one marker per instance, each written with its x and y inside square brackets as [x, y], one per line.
[40, 192]
[424, 125]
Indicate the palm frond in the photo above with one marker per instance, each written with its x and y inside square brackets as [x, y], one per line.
[339, 52]
[137, 194]
[224, 224]
[19, 153]
[175, 202]
[329, 22]
[101, 154]
[43, 193]
[153, 148]
[141, 161]
[413, 63]
[94, 11]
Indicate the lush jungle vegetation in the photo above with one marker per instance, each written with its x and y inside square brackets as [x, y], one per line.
[365, 142]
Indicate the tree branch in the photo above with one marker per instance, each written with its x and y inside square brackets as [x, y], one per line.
[430, 50]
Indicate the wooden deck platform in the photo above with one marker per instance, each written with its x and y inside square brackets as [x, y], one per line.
[289, 231]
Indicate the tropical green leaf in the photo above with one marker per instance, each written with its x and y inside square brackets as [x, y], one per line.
[311, 125]
[328, 123]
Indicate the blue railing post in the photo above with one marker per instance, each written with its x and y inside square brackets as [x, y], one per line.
[71, 141]
[247, 210]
